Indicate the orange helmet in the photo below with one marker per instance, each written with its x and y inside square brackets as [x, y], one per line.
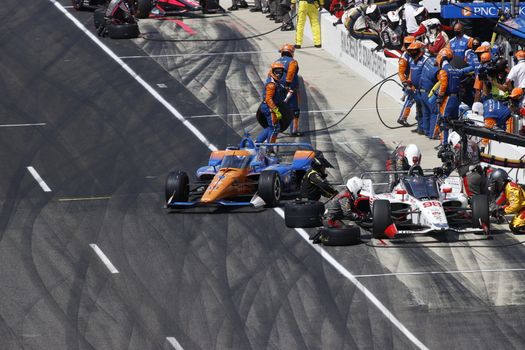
[445, 53]
[276, 70]
[287, 49]
[409, 39]
[520, 55]
[516, 93]
[482, 49]
[485, 57]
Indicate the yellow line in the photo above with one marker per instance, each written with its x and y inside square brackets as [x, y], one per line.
[82, 199]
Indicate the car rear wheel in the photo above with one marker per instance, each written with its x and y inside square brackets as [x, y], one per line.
[480, 211]
[304, 214]
[123, 31]
[270, 187]
[177, 187]
[143, 8]
[381, 218]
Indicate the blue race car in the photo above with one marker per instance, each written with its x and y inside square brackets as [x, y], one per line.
[238, 173]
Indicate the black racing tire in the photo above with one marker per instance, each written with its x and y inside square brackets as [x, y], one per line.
[304, 214]
[177, 186]
[270, 187]
[284, 123]
[480, 211]
[123, 31]
[99, 17]
[143, 8]
[381, 218]
[346, 235]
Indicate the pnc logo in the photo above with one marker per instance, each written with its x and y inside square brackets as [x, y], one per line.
[466, 11]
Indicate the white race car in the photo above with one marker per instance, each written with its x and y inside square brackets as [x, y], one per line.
[422, 203]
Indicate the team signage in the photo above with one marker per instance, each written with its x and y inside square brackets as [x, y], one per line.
[476, 10]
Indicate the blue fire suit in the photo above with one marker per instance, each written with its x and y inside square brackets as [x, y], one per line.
[291, 79]
[459, 46]
[450, 79]
[273, 94]
[416, 68]
[427, 81]
[472, 60]
[496, 110]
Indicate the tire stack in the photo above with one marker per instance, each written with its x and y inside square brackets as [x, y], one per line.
[309, 214]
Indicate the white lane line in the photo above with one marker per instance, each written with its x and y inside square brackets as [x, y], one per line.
[342, 270]
[137, 77]
[174, 343]
[198, 54]
[38, 179]
[104, 258]
[308, 112]
[419, 273]
[279, 211]
[20, 125]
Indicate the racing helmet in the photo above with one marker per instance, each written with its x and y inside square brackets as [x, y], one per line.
[485, 57]
[445, 54]
[407, 40]
[415, 49]
[520, 55]
[373, 13]
[420, 15]
[287, 50]
[482, 49]
[497, 180]
[354, 185]
[516, 93]
[412, 154]
[276, 70]
[477, 107]
[393, 18]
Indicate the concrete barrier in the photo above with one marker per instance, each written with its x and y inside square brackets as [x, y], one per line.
[357, 54]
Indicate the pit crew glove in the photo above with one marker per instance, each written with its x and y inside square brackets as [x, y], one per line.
[278, 114]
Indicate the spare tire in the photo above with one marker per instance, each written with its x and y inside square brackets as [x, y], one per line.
[123, 31]
[346, 235]
[99, 17]
[304, 214]
[284, 123]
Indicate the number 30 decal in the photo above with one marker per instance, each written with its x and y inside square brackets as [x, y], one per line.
[431, 204]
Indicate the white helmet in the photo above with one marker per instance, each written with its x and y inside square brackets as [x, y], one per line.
[372, 12]
[393, 16]
[412, 154]
[477, 107]
[454, 138]
[354, 185]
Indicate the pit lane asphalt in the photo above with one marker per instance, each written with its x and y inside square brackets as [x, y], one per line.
[226, 281]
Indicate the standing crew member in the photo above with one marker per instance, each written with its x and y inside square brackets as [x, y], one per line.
[273, 94]
[403, 72]
[450, 80]
[428, 110]
[311, 9]
[416, 61]
[460, 42]
[290, 80]
[314, 184]
[516, 74]
[392, 34]
[510, 197]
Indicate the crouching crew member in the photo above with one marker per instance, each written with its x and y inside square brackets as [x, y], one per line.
[510, 196]
[345, 205]
[314, 184]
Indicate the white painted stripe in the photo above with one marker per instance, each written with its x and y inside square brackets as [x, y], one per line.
[174, 343]
[420, 273]
[137, 77]
[20, 125]
[359, 286]
[199, 54]
[104, 258]
[308, 112]
[279, 211]
[38, 179]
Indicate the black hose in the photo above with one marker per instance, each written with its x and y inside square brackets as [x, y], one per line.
[380, 84]
[145, 37]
